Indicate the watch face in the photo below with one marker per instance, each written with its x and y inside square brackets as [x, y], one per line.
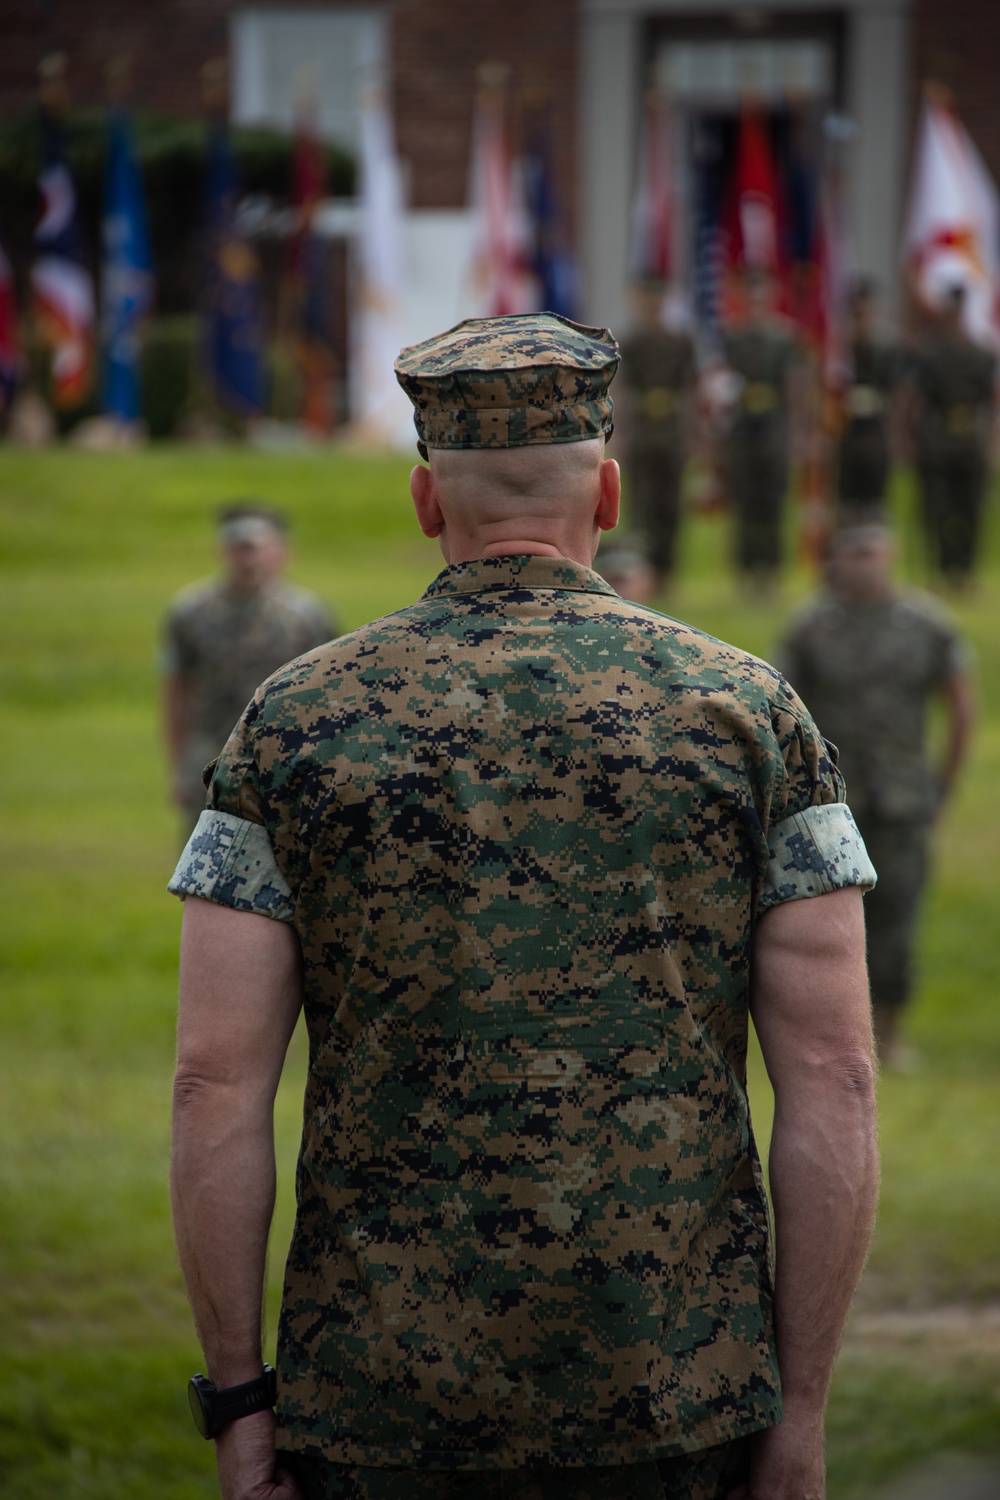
[199, 1390]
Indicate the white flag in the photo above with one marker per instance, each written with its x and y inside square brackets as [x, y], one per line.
[501, 279]
[952, 226]
[382, 411]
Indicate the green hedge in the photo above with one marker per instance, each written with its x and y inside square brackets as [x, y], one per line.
[172, 156]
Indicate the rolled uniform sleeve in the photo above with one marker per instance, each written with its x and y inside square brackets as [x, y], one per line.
[813, 841]
[229, 858]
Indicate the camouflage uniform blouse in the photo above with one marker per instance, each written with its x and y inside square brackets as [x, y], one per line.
[869, 673]
[226, 644]
[523, 829]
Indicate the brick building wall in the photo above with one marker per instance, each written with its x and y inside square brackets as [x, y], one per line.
[436, 50]
[438, 47]
[958, 45]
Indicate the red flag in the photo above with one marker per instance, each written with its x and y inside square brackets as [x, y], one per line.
[754, 220]
[311, 291]
[501, 256]
[653, 204]
[11, 355]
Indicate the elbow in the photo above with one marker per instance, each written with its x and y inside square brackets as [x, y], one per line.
[194, 1090]
[854, 1073]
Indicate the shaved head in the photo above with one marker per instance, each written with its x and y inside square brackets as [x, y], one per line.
[546, 494]
[518, 473]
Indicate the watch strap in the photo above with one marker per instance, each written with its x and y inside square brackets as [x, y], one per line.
[219, 1408]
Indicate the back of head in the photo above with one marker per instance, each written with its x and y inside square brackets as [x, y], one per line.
[534, 477]
[512, 415]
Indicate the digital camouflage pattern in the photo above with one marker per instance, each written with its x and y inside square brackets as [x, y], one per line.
[868, 673]
[658, 367]
[525, 827]
[226, 644]
[510, 382]
[706, 1475]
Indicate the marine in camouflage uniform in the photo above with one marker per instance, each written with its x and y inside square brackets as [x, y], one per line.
[863, 448]
[761, 353]
[954, 381]
[522, 833]
[658, 368]
[222, 637]
[869, 660]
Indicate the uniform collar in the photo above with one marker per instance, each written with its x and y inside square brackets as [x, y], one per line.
[518, 572]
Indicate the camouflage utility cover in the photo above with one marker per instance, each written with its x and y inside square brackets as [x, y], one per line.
[869, 673]
[523, 829]
[510, 382]
[225, 644]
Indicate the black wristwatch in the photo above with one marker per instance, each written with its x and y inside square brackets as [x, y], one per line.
[213, 1410]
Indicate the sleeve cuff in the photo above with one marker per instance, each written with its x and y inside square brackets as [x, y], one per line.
[230, 861]
[813, 852]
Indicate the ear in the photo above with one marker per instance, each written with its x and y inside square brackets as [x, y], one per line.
[609, 504]
[423, 492]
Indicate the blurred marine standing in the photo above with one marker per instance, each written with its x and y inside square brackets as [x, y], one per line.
[953, 381]
[221, 638]
[658, 370]
[863, 451]
[868, 659]
[761, 354]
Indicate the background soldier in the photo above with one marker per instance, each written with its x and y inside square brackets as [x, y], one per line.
[761, 353]
[511, 848]
[868, 659]
[658, 368]
[223, 637]
[626, 567]
[863, 450]
[953, 380]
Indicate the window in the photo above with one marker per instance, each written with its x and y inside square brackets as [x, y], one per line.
[282, 58]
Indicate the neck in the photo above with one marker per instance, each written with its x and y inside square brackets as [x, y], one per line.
[577, 543]
[877, 595]
[247, 588]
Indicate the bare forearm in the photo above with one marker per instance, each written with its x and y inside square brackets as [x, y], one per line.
[961, 709]
[812, 1015]
[823, 1169]
[222, 1184]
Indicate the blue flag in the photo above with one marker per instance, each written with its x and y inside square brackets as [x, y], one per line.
[233, 303]
[551, 262]
[128, 273]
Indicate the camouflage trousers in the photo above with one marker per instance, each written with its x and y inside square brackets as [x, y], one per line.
[862, 471]
[953, 487]
[708, 1475]
[758, 479]
[655, 475]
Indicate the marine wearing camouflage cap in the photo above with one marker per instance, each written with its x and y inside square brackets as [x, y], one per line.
[510, 382]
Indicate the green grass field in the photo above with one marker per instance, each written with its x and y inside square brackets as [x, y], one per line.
[96, 1336]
